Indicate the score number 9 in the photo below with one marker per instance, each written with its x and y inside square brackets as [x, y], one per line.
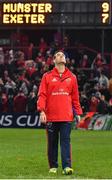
[105, 12]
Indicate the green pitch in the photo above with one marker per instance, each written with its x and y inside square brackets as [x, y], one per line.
[23, 154]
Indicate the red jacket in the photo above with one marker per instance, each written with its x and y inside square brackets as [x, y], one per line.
[57, 95]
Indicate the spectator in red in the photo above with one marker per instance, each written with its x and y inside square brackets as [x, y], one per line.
[98, 61]
[42, 46]
[30, 51]
[93, 104]
[20, 60]
[40, 58]
[30, 68]
[22, 77]
[20, 102]
[84, 61]
[49, 59]
[4, 102]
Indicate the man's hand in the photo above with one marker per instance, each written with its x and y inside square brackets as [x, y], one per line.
[78, 118]
[43, 118]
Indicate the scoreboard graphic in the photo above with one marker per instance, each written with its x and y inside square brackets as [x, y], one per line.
[56, 13]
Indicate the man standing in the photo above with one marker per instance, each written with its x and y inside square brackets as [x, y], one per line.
[57, 97]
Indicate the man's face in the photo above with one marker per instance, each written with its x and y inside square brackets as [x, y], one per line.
[59, 58]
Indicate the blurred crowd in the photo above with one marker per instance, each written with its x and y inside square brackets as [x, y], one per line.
[21, 71]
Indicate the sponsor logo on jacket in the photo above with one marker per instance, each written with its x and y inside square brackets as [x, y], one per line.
[54, 80]
[60, 93]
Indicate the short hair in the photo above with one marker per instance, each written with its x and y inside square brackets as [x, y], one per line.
[54, 56]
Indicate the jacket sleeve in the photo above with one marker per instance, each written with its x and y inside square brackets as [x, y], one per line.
[75, 97]
[42, 94]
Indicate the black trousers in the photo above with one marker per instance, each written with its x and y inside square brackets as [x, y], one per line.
[56, 131]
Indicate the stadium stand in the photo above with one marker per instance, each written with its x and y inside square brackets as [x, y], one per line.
[22, 67]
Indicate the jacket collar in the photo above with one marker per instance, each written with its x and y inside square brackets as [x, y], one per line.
[65, 74]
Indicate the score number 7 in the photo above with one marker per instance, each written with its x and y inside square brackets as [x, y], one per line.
[105, 12]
